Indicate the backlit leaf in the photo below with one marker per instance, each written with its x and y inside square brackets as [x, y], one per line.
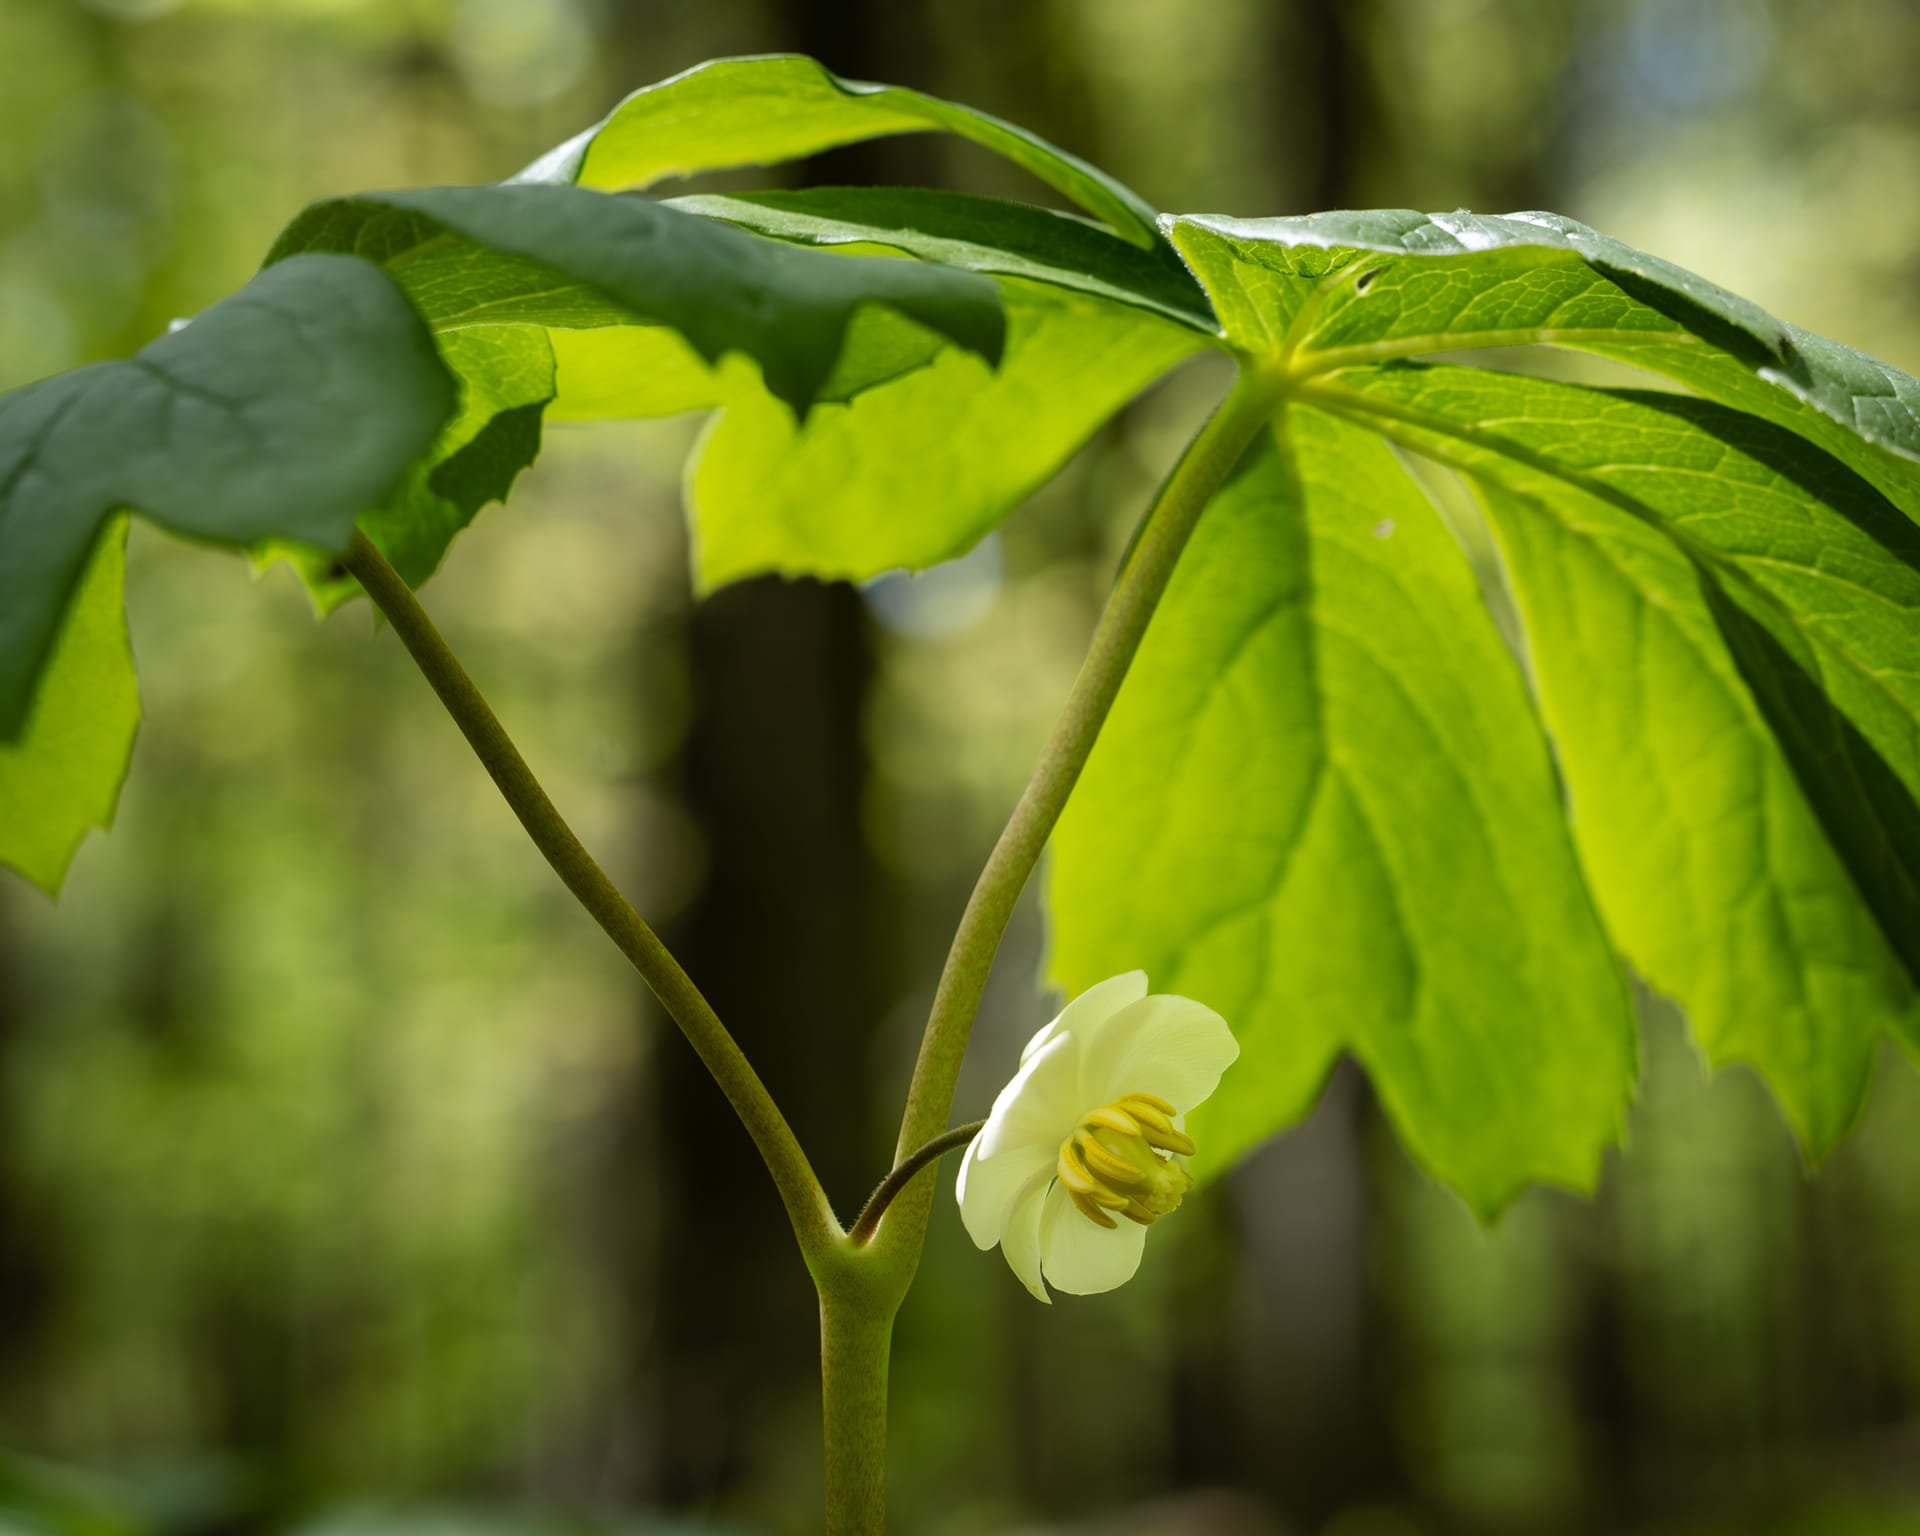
[763, 110]
[1323, 805]
[61, 777]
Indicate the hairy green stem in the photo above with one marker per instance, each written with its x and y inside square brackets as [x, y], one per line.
[856, 1340]
[1202, 470]
[902, 1174]
[813, 1220]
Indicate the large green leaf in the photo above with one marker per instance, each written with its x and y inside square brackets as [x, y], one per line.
[561, 256]
[763, 110]
[516, 280]
[1337, 289]
[1323, 805]
[917, 470]
[1706, 593]
[281, 413]
[506, 378]
[1785, 539]
[278, 415]
[61, 777]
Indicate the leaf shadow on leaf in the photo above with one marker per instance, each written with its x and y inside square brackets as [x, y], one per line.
[1870, 816]
[1690, 314]
[1824, 478]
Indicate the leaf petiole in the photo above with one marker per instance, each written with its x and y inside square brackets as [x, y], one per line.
[806, 1204]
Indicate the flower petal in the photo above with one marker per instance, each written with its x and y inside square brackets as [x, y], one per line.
[1165, 1045]
[1038, 1107]
[1020, 1240]
[1082, 1258]
[1092, 1007]
[987, 1186]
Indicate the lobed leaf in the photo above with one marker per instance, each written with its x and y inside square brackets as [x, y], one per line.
[1339, 289]
[1323, 805]
[919, 469]
[565, 257]
[1723, 623]
[981, 234]
[776, 107]
[279, 414]
[506, 379]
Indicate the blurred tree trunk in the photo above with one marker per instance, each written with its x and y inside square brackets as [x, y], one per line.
[27, 1281]
[724, 1351]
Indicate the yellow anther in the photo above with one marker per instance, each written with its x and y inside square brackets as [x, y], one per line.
[1116, 1161]
[1104, 1164]
[1149, 1117]
[1169, 1141]
[1073, 1172]
[1114, 1119]
[1133, 1103]
[1082, 1183]
[1092, 1212]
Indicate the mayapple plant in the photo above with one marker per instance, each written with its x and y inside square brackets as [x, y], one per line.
[1450, 693]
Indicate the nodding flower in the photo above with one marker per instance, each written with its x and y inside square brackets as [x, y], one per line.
[1084, 1149]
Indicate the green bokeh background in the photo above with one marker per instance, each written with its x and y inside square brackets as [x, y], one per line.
[349, 1182]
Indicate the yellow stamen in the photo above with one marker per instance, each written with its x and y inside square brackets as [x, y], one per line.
[1118, 1161]
[1169, 1141]
[1092, 1212]
[1114, 1120]
[1106, 1165]
[1073, 1172]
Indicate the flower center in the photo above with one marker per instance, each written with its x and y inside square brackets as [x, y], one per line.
[1119, 1161]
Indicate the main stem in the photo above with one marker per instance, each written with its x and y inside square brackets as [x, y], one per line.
[813, 1220]
[856, 1341]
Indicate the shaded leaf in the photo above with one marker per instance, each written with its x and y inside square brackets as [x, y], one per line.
[279, 414]
[562, 256]
[981, 234]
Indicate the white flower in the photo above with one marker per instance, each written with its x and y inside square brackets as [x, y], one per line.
[1082, 1151]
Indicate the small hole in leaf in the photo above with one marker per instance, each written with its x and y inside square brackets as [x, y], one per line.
[336, 572]
[1361, 282]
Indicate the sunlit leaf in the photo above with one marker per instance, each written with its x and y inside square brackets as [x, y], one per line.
[506, 378]
[1336, 289]
[1725, 626]
[761, 111]
[915, 471]
[1323, 805]
[61, 777]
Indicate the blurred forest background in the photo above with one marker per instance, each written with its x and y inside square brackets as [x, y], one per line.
[350, 1183]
